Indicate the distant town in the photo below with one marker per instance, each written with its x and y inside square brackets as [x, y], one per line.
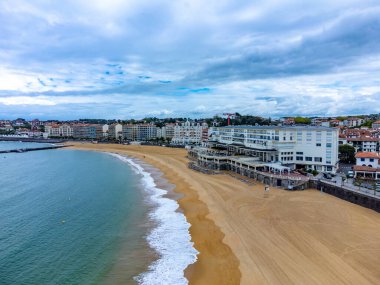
[345, 144]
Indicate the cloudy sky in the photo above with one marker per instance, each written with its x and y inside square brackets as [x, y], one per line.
[134, 58]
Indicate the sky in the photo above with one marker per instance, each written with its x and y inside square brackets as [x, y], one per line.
[120, 59]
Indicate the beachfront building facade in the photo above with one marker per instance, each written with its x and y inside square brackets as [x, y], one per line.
[88, 131]
[166, 132]
[139, 132]
[189, 133]
[115, 132]
[55, 130]
[310, 147]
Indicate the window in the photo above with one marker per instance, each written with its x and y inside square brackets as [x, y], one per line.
[362, 159]
[328, 144]
[371, 160]
[308, 158]
[318, 159]
[318, 144]
[299, 152]
[300, 158]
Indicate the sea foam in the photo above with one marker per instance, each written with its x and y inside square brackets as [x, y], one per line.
[171, 238]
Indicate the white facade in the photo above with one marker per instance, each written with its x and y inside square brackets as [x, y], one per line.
[364, 144]
[166, 132]
[370, 161]
[188, 133]
[105, 130]
[64, 130]
[315, 148]
[115, 131]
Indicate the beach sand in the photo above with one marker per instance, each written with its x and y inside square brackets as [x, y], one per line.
[246, 236]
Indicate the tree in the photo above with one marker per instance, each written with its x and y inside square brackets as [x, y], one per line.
[303, 121]
[347, 153]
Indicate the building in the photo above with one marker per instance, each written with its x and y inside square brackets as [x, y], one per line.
[55, 130]
[88, 131]
[189, 133]
[139, 132]
[367, 144]
[376, 125]
[289, 121]
[166, 132]
[313, 148]
[115, 132]
[105, 128]
[353, 122]
[367, 165]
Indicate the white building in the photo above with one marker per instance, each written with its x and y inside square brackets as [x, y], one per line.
[105, 130]
[376, 125]
[55, 130]
[139, 132]
[115, 131]
[313, 148]
[188, 133]
[353, 122]
[367, 144]
[166, 132]
[367, 165]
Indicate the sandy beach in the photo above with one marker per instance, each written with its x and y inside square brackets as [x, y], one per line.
[246, 236]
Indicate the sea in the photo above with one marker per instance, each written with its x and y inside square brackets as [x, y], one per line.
[83, 217]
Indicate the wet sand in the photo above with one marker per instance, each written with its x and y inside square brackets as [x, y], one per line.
[246, 236]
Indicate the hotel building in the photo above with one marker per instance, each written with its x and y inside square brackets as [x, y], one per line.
[140, 132]
[115, 131]
[189, 133]
[88, 131]
[310, 147]
[55, 130]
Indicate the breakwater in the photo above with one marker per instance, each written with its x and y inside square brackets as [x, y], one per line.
[21, 150]
[34, 140]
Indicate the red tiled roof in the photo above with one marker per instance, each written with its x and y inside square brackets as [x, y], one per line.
[368, 139]
[365, 154]
[366, 168]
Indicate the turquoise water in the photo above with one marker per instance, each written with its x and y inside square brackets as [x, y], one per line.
[71, 217]
[8, 145]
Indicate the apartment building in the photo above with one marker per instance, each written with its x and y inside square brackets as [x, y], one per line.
[189, 133]
[56, 130]
[376, 125]
[139, 132]
[88, 131]
[310, 147]
[115, 131]
[166, 132]
[367, 144]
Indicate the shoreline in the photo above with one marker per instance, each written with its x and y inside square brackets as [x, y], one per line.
[246, 236]
[215, 263]
[170, 233]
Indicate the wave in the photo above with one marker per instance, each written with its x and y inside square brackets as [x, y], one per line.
[170, 238]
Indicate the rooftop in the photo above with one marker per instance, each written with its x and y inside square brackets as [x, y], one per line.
[364, 154]
[318, 128]
[366, 168]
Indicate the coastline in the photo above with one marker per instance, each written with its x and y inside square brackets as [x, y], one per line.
[170, 234]
[216, 263]
[245, 236]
